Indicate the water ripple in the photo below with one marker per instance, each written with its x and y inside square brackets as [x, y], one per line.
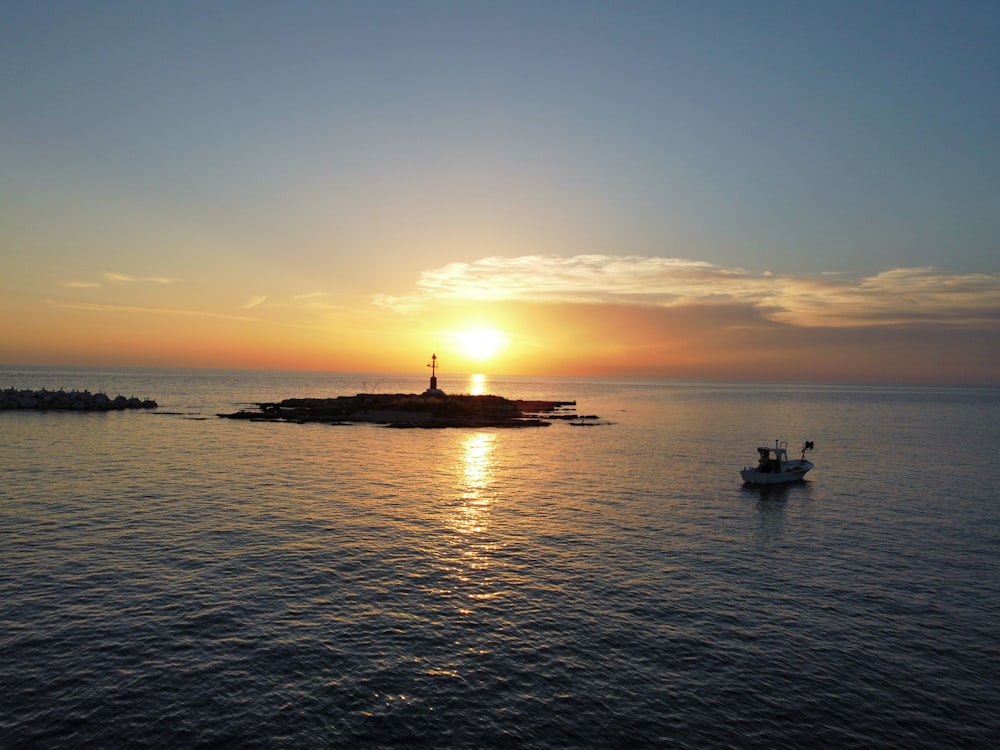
[171, 583]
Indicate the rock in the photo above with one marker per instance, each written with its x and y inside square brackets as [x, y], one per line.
[45, 400]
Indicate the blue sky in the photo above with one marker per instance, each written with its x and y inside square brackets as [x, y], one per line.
[355, 152]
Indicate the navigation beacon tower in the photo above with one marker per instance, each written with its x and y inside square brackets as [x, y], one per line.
[433, 390]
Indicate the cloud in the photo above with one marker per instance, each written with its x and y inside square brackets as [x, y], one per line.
[133, 309]
[897, 296]
[121, 278]
[582, 278]
[80, 284]
[253, 302]
[317, 301]
[309, 309]
[312, 298]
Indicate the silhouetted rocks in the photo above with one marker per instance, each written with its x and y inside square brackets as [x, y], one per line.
[408, 410]
[46, 400]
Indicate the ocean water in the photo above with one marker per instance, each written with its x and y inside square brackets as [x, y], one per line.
[171, 579]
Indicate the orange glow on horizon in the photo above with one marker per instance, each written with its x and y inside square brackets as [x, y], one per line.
[717, 341]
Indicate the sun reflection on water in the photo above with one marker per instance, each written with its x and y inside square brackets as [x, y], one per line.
[477, 384]
[473, 545]
[477, 450]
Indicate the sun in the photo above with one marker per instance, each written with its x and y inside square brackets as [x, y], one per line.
[481, 344]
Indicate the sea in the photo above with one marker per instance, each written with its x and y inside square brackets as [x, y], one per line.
[171, 579]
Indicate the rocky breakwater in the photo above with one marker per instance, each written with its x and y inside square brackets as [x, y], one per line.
[46, 400]
[408, 410]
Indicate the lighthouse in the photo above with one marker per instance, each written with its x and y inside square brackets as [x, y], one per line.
[434, 390]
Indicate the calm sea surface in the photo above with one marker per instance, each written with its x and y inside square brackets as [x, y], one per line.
[171, 579]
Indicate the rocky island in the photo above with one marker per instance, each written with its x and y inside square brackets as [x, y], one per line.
[411, 410]
[432, 408]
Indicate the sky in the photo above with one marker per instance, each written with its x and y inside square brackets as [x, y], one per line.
[780, 190]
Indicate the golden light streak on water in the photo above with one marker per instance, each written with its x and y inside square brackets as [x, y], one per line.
[477, 384]
[469, 518]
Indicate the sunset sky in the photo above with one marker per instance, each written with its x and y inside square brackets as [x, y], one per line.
[769, 190]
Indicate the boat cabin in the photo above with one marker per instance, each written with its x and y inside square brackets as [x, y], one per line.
[771, 459]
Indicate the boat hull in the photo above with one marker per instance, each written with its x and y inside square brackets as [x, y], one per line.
[794, 471]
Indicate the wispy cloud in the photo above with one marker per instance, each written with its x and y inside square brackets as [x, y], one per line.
[134, 309]
[316, 301]
[584, 278]
[309, 298]
[121, 278]
[80, 284]
[253, 302]
[311, 302]
[903, 295]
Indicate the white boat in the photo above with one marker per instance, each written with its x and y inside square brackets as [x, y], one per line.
[775, 467]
